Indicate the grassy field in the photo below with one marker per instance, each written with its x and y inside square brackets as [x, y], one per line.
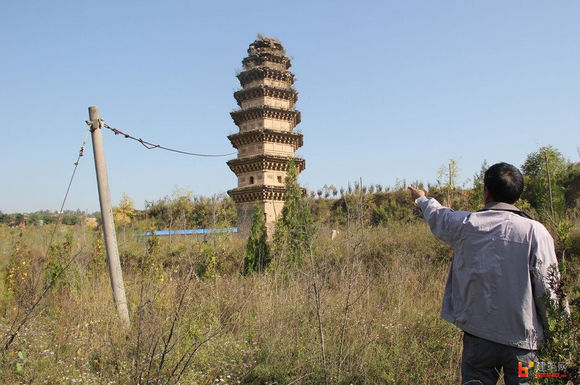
[363, 310]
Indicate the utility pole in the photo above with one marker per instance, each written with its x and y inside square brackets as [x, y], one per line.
[113, 261]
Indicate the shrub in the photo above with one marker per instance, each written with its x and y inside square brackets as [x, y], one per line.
[257, 248]
[295, 228]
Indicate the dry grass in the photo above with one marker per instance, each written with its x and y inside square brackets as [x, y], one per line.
[197, 320]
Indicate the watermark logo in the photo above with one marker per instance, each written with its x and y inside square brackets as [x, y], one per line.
[523, 370]
[543, 369]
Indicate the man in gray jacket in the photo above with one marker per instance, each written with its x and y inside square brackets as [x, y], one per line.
[497, 281]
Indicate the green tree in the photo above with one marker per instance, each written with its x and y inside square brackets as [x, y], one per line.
[295, 228]
[543, 171]
[475, 196]
[70, 218]
[174, 211]
[571, 184]
[447, 177]
[257, 249]
[125, 212]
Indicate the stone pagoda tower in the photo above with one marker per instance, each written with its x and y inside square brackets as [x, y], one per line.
[266, 140]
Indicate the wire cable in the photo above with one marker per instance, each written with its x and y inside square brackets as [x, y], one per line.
[76, 164]
[60, 211]
[152, 146]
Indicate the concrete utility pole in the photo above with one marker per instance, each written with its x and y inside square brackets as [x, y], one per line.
[113, 260]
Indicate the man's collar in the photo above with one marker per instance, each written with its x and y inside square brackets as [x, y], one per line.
[500, 206]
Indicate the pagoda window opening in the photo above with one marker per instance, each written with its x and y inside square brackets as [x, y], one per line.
[251, 180]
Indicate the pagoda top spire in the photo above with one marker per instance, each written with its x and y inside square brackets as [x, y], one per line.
[265, 51]
[266, 44]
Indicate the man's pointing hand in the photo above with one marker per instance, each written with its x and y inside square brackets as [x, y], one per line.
[416, 193]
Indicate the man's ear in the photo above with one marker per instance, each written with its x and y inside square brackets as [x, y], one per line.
[486, 195]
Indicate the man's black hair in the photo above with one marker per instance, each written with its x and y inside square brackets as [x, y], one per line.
[504, 182]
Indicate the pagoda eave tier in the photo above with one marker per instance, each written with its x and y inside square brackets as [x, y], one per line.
[261, 91]
[261, 73]
[263, 112]
[257, 193]
[264, 57]
[266, 135]
[264, 163]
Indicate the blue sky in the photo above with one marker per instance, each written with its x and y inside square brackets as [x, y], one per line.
[388, 90]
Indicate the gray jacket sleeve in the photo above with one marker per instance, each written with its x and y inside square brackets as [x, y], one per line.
[445, 223]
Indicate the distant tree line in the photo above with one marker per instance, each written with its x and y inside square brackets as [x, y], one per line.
[44, 217]
[181, 210]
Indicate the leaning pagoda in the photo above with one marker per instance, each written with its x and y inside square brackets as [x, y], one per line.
[266, 140]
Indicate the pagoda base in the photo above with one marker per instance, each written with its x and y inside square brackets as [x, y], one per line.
[272, 211]
[271, 198]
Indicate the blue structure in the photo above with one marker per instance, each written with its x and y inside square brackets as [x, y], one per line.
[164, 233]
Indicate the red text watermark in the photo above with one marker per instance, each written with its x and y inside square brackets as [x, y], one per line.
[543, 369]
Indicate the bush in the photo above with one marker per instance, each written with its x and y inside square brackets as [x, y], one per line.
[257, 248]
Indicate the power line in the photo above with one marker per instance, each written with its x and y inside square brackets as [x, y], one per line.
[151, 146]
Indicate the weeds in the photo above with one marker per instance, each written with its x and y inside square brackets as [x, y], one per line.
[363, 309]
